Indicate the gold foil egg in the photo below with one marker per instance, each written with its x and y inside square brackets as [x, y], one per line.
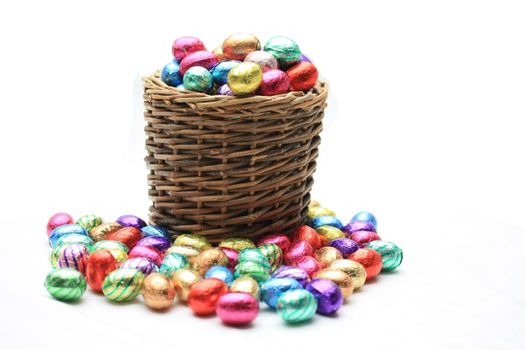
[330, 232]
[237, 243]
[315, 211]
[119, 255]
[183, 280]
[158, 291]
[100, 232]
[343, 281]
[218, 52]
[198, 242]
[245, 78]
[314, 203]
[353, 269]
[208, 258]
[238, 45]
[246, 284]
[188, 252]
[327, 255]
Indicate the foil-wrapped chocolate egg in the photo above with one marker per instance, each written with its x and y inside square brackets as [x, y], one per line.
[366, 217]
[303, 76]
[245, 78]
[255, 270]
[328, 295]
[221, 70]
[205, 294]
[281, 240]
[204, 59]
[354, 226]
[284, 49]
[237, 309]
[307, 234]
[274, 82]
[198, 79]
[99, 265]
[273, 254]
[188, 252]
[362, 238]
[296, 306]
[119, 255]
[308, 264]
[264, 59]
[233, 257]
[128, 235]
[147, 252]
[158, 291]
[65, 230]
[198, 242]
[305, 59]
[314, 212]
[237, 46]
[160, 243]
[220, 272]
[73, 256]
[272, 289]
[296, 250]
[57, 220]
[183, 280]
[102, 231]
[391, 254]
[110, 245]
[75, 238]
[65, 284]
[246, 284]
[254, 255]
[123, 285]
[314, 203]
[186, 45]
[89, 222]
[171, 75]
[145, 265]
[327, 255]
[293, 272]
[181, 87]
[131, 220]
[330, 232]
[218, 52]
[326, 220]
[370, 259]
[237, 243]
[155, 231]
[173, 262]
[353, 269]
[343, 281]
[345, 246]
[208, 258]
[224, 90]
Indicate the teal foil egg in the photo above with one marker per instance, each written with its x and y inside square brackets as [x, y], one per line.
[249, 268]
[296, 306]
[173, 262]
[170, 74]
[221, 70]
[255, 255]
[198, 79]
[284, 49]
[391, 254]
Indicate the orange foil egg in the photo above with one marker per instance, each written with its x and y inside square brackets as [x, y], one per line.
[370, 259]
[100, 263]
[205, 294]
[307, 234]
[128, 235]
[303, 76]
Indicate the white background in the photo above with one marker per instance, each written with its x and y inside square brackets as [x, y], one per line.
[424, 128]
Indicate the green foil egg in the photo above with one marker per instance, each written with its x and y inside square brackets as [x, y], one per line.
[255, 255]
[110, 245]
[273, 254]
[89, 222]
[123, 284]
[391, 254]
[198, 79]
[284, 49]
[296, 306]
[173, 262]
[65, 284]
[249, 268]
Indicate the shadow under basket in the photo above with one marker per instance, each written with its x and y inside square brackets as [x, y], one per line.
[224, 166]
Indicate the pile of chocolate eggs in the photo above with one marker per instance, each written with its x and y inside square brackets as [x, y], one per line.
[240, 66]
[312, 271]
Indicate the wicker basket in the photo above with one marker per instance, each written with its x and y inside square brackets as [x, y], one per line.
[223, 166]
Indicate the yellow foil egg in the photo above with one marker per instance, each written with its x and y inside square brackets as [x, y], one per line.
[327, 255]
[208, 258]
[100, 232]
[353, 269]
[198, 242]
[245, 78]
[119, 255]
[237, 243]
[158, 291]
[314, 212]
[330, 232]
[183, 280]
[343, 281]
[238, 45]
[188, 252]
[246, 284]
[314, 203]
[218, 52]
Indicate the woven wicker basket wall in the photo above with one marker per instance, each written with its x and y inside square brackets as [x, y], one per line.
[223, 166]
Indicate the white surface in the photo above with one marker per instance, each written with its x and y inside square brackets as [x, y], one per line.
[424, 128]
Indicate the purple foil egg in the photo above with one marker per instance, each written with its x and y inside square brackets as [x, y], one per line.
[362, 238]
[304, 58]
[329, 296]
[224, 90]
[131, 220]
[143, 264]
[160, 243]
[354, 226]
[345, 245]
[296, 273]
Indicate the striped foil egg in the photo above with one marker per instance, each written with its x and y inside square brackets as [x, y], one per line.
[123, 284]
[73, 256]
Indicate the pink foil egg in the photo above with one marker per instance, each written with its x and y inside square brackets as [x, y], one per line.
[204, 59]
[274, 82]
[281, 240]
[237, 309]
[297, 250]
[266, 60]
[308, 264]
[186, 45]
[59, 219]
[146, 252]
[362, 238]
[232, 255]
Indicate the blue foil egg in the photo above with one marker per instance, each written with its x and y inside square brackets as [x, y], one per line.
[155, 231]
[170, 74]
[221, 70]
[365, 216]
[326, 220]
[65, 230]
[220, 272]
[272, 289]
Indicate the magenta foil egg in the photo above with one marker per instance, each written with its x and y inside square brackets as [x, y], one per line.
[274, 82]
[281, 240]
[58, 219]
[146, 252]
[266, 60]
[204, 59]
[362, 238]
[186, 45]
[297, 250]
[237, 309]
[232, 255]
[308, 264]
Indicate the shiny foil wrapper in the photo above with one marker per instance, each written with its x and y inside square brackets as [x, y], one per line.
[65, 284]
[173, 262]
[366, 217]
[370, 259]
[155, 231]
[343, 281]
[65, 230]
[238, 45]
[273, 254]
[293, 272]
[147, 252]
[308, 264]
[170, 74]
[296, 250]
[198, 242]
[131, 220]
[264, 59]
[186, 45]
[272, 289]
[246, 284]
[303, 76]
[391, 254]
[237, 309]
[204, 59]
[220, 272]
[128, 235]
[218, 52]
[73, 256]
[224, 90]
[205, 294]
[274, 82]
[102, 231]
[354, 226]
[145, 265]
[89, 222]
[326, 220]
[208, 258]
[330, 232]
[284, 49]
[353, 269]
[345, 246]
[183, 280]
[198, 79]
[119, 255]
[57, 220]
[109, 245]
[245, 78]
[362, 238]
[123, 285]
[75, 238]
[255, 255]
[328, 295]
[327, 255]
[233, 257]
[237, 243]
[98, 267]
[314, 212]
[296, 306]
[307, 234]
[160, 243]
[255, 270]
[314, 203]
[281, 240]
[221, 70]
[188, 252]
[158, 291]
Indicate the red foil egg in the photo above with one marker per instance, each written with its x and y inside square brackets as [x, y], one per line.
[362, 238]
[307, 234]
[151, 253]
[128, 235]
[370, 259]
[232, 255]
[303, 76]
[204, 59]
[274, 82]
[186, 45]
[308, 264]
[281, 240]
[100, 263]
[204, 295]
[297, 250]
